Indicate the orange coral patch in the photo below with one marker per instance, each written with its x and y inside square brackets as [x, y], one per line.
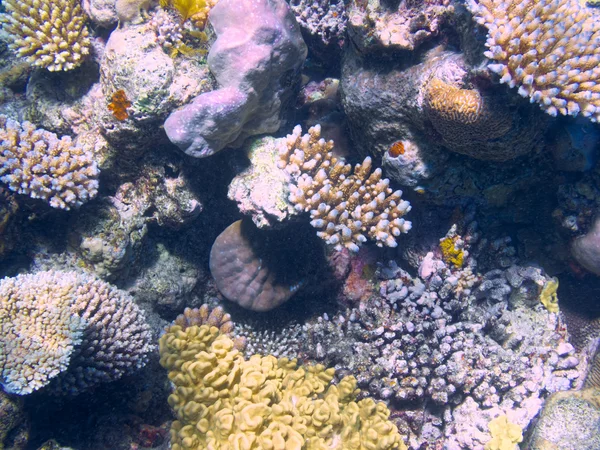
[118, 105]
[396, 149]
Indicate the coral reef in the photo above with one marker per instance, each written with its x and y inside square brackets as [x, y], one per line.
[39, 164]
[269, 403]
[401, 25]
[555, 66]
[254, 269]
[346, 207]
[68, 330]
[194, 10]
[49, 34]
[261, 190]
[255, 77]
[324, 18]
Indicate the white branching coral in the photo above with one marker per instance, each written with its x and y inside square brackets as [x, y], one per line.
[39, 164]
[68, 329]
[346, 207]
[49, 33]
[550, 49]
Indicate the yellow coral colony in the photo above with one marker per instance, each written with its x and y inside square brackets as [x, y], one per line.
[345, 207]
[505, 435]
[549, 297]
[48, 33]
[549, 49]
[224, 402]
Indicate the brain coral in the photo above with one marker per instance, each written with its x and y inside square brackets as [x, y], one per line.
[344, 206]
[549, 48]
[37, 163]
[223, 401]
[70, 329]
[256, 268]
[49, 33]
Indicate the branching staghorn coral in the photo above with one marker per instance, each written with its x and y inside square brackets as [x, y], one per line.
[221, 400]
[49, 33]
[37, 163]
[345, 206]
[69, 331]
[550, 49]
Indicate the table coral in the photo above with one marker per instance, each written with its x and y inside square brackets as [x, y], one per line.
[223, 401]
[49, 33]
[68, 331]
[39, 164]
[345, 206]
[548, 49]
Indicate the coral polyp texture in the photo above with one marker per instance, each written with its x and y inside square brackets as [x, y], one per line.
[37, 163]
[48, 33]
[223, 401]
[549, 49]
[345, 205]
[68, 331]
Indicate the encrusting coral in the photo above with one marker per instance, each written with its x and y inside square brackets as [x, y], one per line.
[505, 434]
[37, 163]
[257, 269]
[223, 401]
[345, 206]
[549, 49]
[468, 121]
[49, 33]
[69, 331]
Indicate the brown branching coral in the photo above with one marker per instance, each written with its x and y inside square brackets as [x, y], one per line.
[118, 105]
[550, 49]
[37, 163]
[204, 315]
[49, 33]
[345, 205]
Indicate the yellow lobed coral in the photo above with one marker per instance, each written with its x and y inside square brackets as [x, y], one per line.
[505, 435]
[550, 49]
[347, 206]
[224, 402]
[49, 33]
[37, 163]
[549, 296]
